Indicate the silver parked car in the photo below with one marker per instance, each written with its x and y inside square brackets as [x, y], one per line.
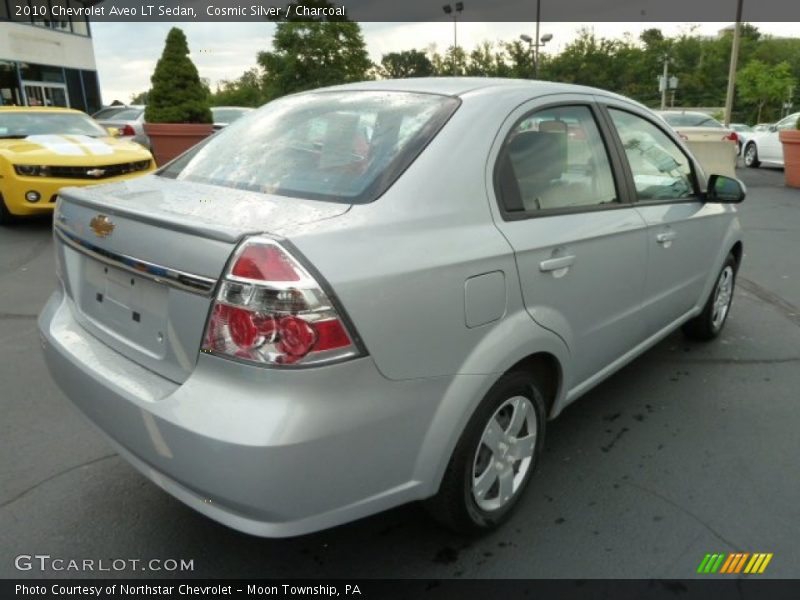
[378, 293]
[129, 123]
[225, 115]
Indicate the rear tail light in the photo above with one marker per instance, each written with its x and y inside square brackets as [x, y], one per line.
[732, 137]
[270, 310]
[126, 130]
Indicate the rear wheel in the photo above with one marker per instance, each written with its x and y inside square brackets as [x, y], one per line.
[751, 156]
[495, 457]
[708, 324]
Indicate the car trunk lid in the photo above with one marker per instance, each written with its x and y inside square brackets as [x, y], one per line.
[140, 259]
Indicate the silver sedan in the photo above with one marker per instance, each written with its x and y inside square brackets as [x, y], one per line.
[378, 293]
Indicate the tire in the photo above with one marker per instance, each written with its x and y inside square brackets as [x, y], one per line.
[6, 218]
[471, 497]
[750, 157]
[709, 323]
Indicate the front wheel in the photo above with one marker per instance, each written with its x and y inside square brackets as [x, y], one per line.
[708, 324]
[494, 458]
[751, 156]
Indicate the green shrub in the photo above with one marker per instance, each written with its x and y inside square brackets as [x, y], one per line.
[177, 94]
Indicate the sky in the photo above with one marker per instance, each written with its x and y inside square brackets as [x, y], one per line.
[126, 53]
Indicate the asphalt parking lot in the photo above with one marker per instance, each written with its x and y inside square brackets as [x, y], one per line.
[691, 449]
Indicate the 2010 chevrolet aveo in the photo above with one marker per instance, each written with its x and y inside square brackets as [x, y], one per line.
[377, 293]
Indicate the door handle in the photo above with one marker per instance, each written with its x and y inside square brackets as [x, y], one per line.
[554, 264]
[666, 237]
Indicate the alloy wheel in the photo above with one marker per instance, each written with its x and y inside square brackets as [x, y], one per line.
[723, 294]
[505, 454]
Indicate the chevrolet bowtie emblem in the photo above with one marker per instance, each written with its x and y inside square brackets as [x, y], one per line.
[102, 226]
[96, 172]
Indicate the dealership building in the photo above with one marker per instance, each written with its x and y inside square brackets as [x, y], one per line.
[47, 62]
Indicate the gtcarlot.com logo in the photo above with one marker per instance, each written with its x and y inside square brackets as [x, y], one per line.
[45, 562]
[735, 563]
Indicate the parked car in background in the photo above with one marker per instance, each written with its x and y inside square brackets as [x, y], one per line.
[107, 111]
[129, 124]
[764, 147]
[743, 130]
[714, 146]
[225, 115]
[316, 315]
[45, 149]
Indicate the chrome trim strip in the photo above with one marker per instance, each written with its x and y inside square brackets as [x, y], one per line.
[186, 282]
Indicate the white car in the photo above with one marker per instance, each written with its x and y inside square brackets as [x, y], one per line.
[764, 147]
[714, 145]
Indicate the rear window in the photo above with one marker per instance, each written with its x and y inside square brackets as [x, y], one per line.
[128, 114]
[107, 113]
[339, 146]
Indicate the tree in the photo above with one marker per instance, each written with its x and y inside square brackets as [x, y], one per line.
[140, 98]
[178, 95]
[762, 85]
[310, 54]
[245, 91]
[408, 63]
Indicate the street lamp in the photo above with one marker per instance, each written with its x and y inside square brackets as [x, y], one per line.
[542, 41]
[453, 11]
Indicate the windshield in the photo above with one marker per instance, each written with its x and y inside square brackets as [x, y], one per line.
[338, 146]
[690, 120]
[19, 124]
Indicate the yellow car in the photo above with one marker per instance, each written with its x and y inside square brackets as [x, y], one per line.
[45, 149]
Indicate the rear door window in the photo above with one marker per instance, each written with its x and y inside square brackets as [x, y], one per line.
[555, 159]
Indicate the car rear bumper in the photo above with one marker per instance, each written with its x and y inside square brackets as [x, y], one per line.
[268, 452]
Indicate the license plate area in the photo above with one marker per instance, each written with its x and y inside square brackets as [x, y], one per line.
[125, 306]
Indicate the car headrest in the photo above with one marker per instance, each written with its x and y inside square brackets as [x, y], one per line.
[540, 155]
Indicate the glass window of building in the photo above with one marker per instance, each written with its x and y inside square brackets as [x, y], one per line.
[9, 84]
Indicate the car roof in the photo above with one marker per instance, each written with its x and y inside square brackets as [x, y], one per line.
[53, 109]
[461, 86]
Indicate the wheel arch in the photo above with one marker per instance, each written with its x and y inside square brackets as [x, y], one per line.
[528, 348]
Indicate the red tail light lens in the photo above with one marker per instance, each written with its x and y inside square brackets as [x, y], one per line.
[270, 310]
[126, 130]
[732, 137]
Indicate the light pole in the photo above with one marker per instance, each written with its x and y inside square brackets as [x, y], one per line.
[737, 34]
[535, 54]
[453, 12]
[667, 83]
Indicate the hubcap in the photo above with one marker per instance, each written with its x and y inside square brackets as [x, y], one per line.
[750, 155]
[723, 294]
[504, 454]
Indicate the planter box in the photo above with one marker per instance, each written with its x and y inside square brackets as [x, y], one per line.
[790, 138]
[170, 140]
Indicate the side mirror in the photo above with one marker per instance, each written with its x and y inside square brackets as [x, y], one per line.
[725, 190]
[773, 128]
[112, 131]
